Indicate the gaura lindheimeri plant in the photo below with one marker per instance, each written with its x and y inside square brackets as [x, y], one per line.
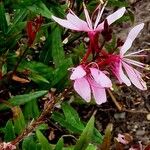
[89, 76]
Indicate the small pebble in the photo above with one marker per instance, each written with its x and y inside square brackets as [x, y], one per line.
[119, 115]
[140, 132]
[148, 117]
[135, 126]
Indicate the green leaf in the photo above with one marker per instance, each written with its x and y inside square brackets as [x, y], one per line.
[91, 147]
[29, 144]
[41, 9]
[60, 144]
[9, 131]
[31, 110]
[111, 46]
[43, 141]
[53, 50]
[4, 69]
[72, 116]
[131, 16]
[118, 3]
[19, 121]
[107, 138]
[58, 54]
[39, 72]
[86, 136]
[19, 16]
[58, 117]
[61, 72]
[42, 127]
[46, 53]
[97, 137]
[22, 99]
[38, 78]
[70, 120]
[3, 21]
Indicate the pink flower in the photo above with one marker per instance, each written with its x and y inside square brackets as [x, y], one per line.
[122, 61]
[73, 22]
[90, 80]
[7, 146]
[121, 139]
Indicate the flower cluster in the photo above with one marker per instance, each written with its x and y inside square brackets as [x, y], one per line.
[91, 76]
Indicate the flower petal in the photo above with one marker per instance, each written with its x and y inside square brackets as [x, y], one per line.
[118, 72]
[100, 77]
[130, 38]
[135, 77]
[77, 22]
[82, 87]
[122, 76]
[121, 139]
[115, 16]
[65, 23]
[100, 27]
[88, 19]
[77, 73]
[99, 94]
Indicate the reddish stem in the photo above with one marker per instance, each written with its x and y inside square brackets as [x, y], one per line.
[84, 59]
[93, 46]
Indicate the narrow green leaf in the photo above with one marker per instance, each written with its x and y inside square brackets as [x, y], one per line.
[41, 9]
[42, 127]
[38, 78]
[46, 53]
[58, 54]
[53, 50]
[118, 3]
[61, 72]
[9, 131]
[22, 99]
[72, 116]
[86, 136]
[3, 21]
[58, 117]
[60, 144]
[29, 144]
[19, 121]
[97, 137]
[31, 110]
[39, 72]
[19, 16]
[91, 147]
[43, 141]
[131, 15]
[107, 138]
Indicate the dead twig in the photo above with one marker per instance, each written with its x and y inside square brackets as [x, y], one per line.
[114, 100]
